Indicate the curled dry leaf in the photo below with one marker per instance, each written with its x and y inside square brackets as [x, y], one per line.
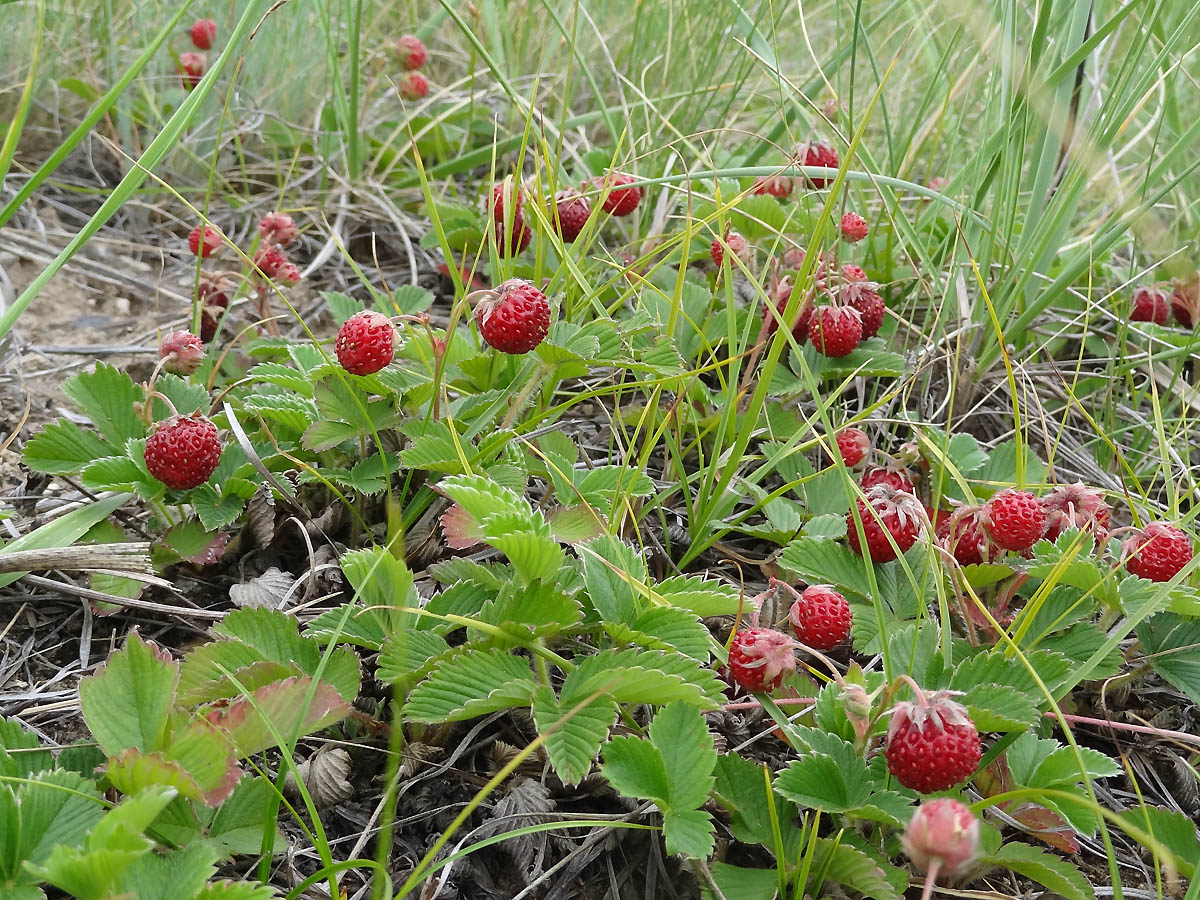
[526, 803]
[260, 516]
[416, 757]
[326, 775]
[270, 589]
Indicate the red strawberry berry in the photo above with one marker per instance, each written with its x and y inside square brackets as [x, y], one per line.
[896, 513]
[276, 228]
[853, 444]
[1185, 300]
[191, 69]
[1076, 506]
[818, 153]
[1157, 552]
[621, 200]
[854, 227]
[204, 241]
[288, 273]
[518, 235]
[963, 536]
[775, 185]
[412, 51]
[183, 451]
[737, 244]
[895, 478]
[771, 320]
[1013, 520]
[573, 212]
[202, 33]
[505, 196]
[514, 318]
[820, 618]
[1150, 304]
[270, 260]
[213, 293]
[932, 744]
[413, 85]
[836, 330]
[863, 295]
[942, 837]
[365, 343]
[182, 351]
[760, 658]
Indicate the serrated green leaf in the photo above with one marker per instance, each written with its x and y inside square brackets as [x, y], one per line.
[1000, 470]
[1171, 644]
[1175, 830]
[666, 628]
[179, 874]
[531, 611]
[483, 498]
[741, 788]
[436, 451]
[1050, 871]
[689, 832]
[295, 706]
[819, 781]
[121, 473]
[127, 702]
[235, 890]
[54, 809]
[405, 654]
[738, 883]
[610, 569]
[534, 554]
[469, 684]
[851, 867]
[636, 768]
[107, 395]
[573, 743]
[296, 413]
[644, 676]
[681, 735]
[464, 597]
[995, 707]
[215, 509]
[575, 524]
[281, 376]
[62, 448]
[704, 597]
[186, 396]
[21, 753]
[819, 561]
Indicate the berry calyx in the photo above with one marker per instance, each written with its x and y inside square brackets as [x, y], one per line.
[885, 511]
[1076, 506]
[412, 85]
[821, 617]
[621, 200]
[932, 743]
[1157, 552]
[365, 343]
[181, 352]
[863, 295]
[277, 228]
[1185, 300]
[183, 451]
[774, 185]
[942, 837]
[1013, 520]
[202, 33]
[835, 330]
[191, 69]
[897, 479]
[572, 213]
[204, 241]
[1150, 304]
[411, 51]
[514, 318]
[760, 658]
[854, 227]
[853, 445]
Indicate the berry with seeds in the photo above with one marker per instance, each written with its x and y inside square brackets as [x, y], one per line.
[621, 199]
[1157, 552]
[191, 69]
[760, 658]
[1013, 520]
[885, 511]
[1150, 304]
[203, 32]
[863, 295]
[932, 743]
[836, 330]
[854, 445]
[412, 51]
[783, 290]
[775, 185]
[182, 352]
[506, 205]
[737, 245]
[183, 451]
[573, 211]
[413, 85]
[896, 478]
[820, 618]
[365, 343]
[963, 536]
[514, 318]
[942, 837]
[818, 153]
[1076, 506]
[277, 228]
[269, 260]
[854, 227]
[204, 241]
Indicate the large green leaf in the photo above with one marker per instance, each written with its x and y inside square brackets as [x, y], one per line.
[128, 701]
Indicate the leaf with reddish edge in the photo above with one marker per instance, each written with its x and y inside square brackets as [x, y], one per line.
[460, 528]
[284, 707]
[1044, 824]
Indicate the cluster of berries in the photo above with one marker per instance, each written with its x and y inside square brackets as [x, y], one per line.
[192, 65]
[271, 266]
[413, 85]
[893, 519]
[1178, 299]
[569, 210]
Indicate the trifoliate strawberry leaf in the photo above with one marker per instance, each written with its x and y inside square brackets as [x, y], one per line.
[482, 498]
[689, 832]
[840, 785]
[107, 395]
[123, 473]
[295, 413]
[666, 628]
[603, 484]
[279, 375]
[217, 507]
[532, 611]
[325, 434]
[760, 216]
[742, 789]
[1045, 765]
[462, 598]
[186, 396]
[1046, 869]
[128, 701]
[870, 358]
[818, 561]
[996, 667]
[358, 625]
[63, 448]
[1069, 561]
[575, 524]
[634, 767]
[644, 676]
[533, 552]
[471, 683]
[827, 527]
[1080, 643]
[995, 707]
[702, 596]
[611, 568]
[682, 737]
[20, 751]
[405, 655]
[1171, 645]
[52, 809]
[436, 451]
[572, 743]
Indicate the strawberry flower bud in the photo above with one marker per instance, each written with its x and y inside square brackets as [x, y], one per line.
[182, 352]
[943, 834]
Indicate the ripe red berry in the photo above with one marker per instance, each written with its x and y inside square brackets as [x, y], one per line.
[1076, 506]
[820, 618]
[771, 320]
[897, 479]
[573, 211]
[775, 185]
[1185, 300]
[942, 833]
[270, 260]
[506, 206]
[621, 200]
[818, 153]
[213, 293]
[203, 32]
[412, 85]
[863, 295]
[854, 227]
[896, 513]
[853, 444]
[932, 744]
[412, 51]
[288, 273]
[760, 658]
[191, 69]
[277, 228]
[1157, 552]
[204, 241]
[365, 343]
[737, 244]
[836, 330]
[183, 451]
[182, 351]
[1150, 304]
[514, 318]
[965, 539]
[1013, 520]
